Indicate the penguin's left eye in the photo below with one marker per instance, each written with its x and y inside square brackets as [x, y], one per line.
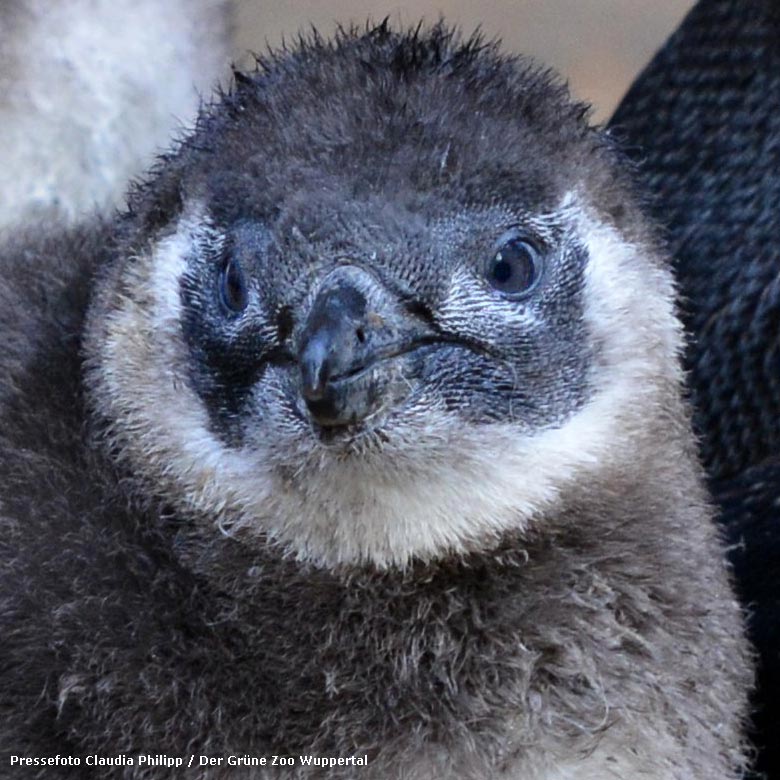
[515, 267]
[232, 287]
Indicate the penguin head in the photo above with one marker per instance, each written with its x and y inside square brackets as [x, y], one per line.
[389, 301]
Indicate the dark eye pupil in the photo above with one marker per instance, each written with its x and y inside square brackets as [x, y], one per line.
[502, 270]
[232, 287]
[514, 268]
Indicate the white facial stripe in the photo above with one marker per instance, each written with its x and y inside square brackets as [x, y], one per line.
[437, 486]
[168, 427]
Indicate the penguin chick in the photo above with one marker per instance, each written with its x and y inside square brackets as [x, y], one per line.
[361, 435]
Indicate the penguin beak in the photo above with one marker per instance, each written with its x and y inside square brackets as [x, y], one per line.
[350, 347]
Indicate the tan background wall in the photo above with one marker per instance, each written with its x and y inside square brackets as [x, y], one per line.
[598, 45]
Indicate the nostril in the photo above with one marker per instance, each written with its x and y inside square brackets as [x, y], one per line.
[361, 335]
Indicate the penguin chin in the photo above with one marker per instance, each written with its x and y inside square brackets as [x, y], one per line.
[352, 438]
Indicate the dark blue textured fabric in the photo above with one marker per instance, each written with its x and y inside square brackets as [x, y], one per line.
[703, 124]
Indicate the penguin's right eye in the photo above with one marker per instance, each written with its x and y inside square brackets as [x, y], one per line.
[232, 287]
